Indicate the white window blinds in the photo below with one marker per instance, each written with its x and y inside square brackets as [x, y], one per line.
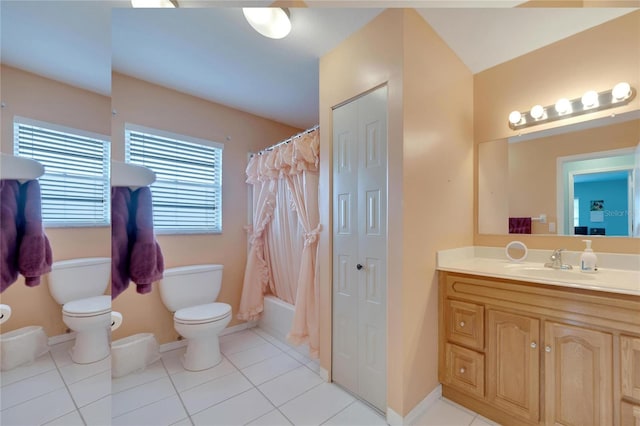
[187, 193]
[75, 185]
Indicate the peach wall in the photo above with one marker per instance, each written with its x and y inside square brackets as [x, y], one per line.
[32, 96]
[437, 191]
[594, 59]
[429, 118]
[145, 104]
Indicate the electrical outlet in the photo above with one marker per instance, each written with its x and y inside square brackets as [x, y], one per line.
[552, 227]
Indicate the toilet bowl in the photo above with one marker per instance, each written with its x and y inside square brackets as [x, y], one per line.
[79, 285]
[133, 353]
[90, 318]
[183, 291]
[22, 346]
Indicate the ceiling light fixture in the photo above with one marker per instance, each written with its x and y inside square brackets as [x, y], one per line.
[272, 22]
[621, 94]
[154, 3]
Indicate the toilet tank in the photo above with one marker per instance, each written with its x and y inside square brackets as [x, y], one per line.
[192, 285]
[79, 278]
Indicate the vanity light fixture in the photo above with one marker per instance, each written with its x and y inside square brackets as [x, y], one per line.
[272, 22]
[591, 101]
[154, 3]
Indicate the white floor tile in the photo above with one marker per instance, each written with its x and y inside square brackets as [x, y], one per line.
[208, 394]
[289, 385]
[91, 389]
[41, 365]
[134, 398]
[314, 365]
[270, 368]
[153, 372]
[317, 405]
[272, 339]
[24, 390]
[238, 410]
[172, 360]
[254, 355]
[183, 422]
[272, 418]
[303, 359]
[61, 353]
[163, 412]
[97, 413]
[357, 414]
[72, 373]
[482, 421]
[238, 342]
[71, 419]
[39, 410]
[441, 413]
[188, 379]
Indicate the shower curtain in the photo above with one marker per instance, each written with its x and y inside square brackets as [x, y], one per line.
[283, 244]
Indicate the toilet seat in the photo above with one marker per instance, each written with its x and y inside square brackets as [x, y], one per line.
[202, 314]
[89, 307]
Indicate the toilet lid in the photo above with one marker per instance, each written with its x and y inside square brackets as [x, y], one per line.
[88, 307]
[203, 313]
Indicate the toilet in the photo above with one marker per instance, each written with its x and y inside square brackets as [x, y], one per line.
[190, 292]
[79, 285]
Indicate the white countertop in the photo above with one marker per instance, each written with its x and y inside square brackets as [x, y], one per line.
[617, 273]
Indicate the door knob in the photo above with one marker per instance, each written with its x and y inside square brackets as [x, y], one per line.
[359, 266]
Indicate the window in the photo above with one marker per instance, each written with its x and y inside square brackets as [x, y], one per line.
[187, 193]
[75, 185]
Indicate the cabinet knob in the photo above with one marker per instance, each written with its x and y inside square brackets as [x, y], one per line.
[359, 266]
[462, 370]
[533, 345]
[461, 323]
[547, 348]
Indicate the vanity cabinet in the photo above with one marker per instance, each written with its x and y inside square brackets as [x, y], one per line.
[523, 353]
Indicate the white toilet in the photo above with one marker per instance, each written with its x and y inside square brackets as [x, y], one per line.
[79, 285]
[190, 292]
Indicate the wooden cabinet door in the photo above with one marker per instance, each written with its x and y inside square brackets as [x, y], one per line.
[630, 366]
[578, 376]
[513, 361]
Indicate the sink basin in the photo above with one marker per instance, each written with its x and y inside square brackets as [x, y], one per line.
[555, 274]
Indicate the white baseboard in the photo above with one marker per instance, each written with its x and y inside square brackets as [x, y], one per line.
[395, 419]
[61, 338]
[165, 347]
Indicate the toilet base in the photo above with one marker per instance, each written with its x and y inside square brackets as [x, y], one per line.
[202, 354]
[90, 346]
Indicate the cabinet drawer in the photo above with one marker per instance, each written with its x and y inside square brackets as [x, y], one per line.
[629, 414]
[630, 366]
[465, 369]
[465, 324]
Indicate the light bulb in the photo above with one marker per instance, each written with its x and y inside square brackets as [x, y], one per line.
[272, 22]
[537, 112]
[621, 91]
[515, 117]
[590, 99]
[563, 106]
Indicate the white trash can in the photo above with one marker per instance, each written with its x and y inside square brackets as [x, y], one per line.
[133, 353]
[22, 346]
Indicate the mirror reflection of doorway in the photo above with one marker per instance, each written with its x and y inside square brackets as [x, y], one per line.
[602, 202]
[596, 194]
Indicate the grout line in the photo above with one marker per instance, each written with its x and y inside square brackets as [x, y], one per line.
[140, 406]
[177, 392]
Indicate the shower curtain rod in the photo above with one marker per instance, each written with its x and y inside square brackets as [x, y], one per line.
[309, 130]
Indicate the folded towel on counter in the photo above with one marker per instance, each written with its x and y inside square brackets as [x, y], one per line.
[519, 225]
[24, 247]
[135, 254]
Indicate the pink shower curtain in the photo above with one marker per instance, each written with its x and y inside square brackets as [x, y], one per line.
[297, 164]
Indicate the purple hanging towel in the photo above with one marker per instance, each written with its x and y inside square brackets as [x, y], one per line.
[519, 225]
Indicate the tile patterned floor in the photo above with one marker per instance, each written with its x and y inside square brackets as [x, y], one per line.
[260, 381]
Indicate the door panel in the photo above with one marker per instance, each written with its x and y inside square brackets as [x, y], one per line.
[360, 238]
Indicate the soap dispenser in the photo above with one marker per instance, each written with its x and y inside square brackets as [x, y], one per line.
[588, 259]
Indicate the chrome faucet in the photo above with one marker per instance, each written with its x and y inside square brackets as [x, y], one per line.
[556, 261]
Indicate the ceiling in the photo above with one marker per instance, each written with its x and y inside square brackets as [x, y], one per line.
[211, 52]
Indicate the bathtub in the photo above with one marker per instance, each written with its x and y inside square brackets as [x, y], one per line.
[277, 317]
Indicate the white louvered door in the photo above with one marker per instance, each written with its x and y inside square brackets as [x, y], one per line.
[360, 247]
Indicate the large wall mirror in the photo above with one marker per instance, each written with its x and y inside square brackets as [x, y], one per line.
[582, 179]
